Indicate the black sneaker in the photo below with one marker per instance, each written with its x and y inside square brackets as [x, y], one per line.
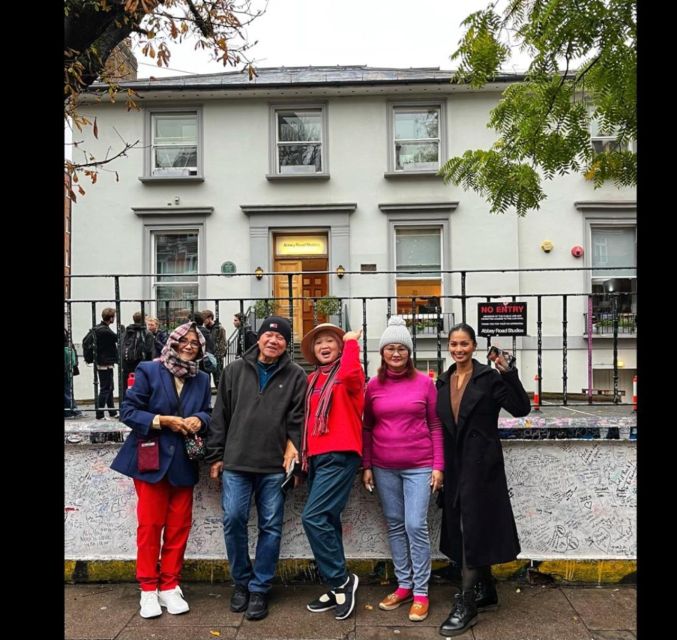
[345, 597]
[240, 598]
[258, 606]
[325, 602]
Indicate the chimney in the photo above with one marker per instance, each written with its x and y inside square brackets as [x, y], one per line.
[121, 64]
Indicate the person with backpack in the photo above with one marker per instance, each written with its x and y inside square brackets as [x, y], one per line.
[137, 346]
[100, 347]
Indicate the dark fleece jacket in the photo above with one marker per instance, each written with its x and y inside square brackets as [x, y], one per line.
[249, 428]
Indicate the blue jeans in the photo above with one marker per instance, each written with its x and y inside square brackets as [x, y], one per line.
[330, 480]
[405, 494]
[236, 499]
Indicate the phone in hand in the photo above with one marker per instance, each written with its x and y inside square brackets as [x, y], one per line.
[496, 351]
[295, 469]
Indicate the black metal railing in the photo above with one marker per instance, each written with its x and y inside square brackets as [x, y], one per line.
[558, 317]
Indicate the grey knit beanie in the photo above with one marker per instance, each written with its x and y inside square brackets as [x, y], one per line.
[396, 333]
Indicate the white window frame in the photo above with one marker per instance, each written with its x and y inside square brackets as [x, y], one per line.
[434, 275]
[274, 159]
[607, 220]
[607, 141]
[187, 174]
[412, 107]
[152, 231]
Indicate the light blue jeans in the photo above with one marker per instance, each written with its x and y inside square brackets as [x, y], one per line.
[405, 494]
[236, 498]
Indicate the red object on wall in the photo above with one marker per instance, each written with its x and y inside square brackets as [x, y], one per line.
[577, 251]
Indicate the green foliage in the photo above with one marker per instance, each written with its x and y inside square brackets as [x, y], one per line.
[265, 308]
[328, 306]
[543, 122]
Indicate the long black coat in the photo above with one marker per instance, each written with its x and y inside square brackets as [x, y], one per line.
[475, 485]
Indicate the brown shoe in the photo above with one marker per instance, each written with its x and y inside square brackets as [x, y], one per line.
[419, 611]
[393, 601]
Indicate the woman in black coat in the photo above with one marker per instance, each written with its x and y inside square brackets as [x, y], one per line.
[478, 527]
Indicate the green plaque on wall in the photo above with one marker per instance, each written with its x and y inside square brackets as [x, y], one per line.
[228, 267]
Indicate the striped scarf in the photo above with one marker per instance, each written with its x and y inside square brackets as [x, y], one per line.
[321, 425]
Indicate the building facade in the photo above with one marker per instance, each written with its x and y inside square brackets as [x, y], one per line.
[333, 170]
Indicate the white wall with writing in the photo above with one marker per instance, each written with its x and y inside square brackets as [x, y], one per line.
[571, 499]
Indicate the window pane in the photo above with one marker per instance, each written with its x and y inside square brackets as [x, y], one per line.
[300, 126]
[421, 290]
[176, 253]
[182, 157]
[175, 129]
[417, 249]
[178, 309]
[600, 145]
[300, 158]
[613, 247]
[414, 125]
[416, 155]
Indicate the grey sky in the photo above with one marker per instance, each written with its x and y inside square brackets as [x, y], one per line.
[378, 33]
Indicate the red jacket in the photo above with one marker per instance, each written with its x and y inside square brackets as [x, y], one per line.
[345, 416]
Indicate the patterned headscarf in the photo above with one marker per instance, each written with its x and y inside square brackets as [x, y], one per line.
[171, 359]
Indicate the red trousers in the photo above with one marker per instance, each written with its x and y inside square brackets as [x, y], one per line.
[161, 506]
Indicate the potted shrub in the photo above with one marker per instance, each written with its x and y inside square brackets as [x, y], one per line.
[265, 308]
[327, 306]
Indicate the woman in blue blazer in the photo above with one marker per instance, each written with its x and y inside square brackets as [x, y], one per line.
[170, 400]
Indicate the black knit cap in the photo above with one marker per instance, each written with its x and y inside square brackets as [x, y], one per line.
[278, 324]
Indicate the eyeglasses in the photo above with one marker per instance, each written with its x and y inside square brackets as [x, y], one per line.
[189, 343]
[390, 349]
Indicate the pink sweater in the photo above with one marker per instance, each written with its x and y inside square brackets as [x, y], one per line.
[401, 427]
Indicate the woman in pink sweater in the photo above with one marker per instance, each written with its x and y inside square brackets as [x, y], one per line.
[404, 458]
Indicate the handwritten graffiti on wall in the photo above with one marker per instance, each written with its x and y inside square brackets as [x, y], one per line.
[572, 499]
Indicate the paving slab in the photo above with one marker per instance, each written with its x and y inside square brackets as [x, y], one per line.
[605, 607]
[99, 612]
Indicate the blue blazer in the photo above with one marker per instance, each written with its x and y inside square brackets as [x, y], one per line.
[154, 393]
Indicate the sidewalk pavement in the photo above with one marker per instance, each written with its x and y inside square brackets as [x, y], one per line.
[111, 612]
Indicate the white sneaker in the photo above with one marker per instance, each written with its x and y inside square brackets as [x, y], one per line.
[173, 600]
[150, 607]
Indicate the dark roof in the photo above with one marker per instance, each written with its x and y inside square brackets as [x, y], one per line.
[280, 77]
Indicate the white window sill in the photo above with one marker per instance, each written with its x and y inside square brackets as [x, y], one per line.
[296, 176]
[158, 179]
[389, 175]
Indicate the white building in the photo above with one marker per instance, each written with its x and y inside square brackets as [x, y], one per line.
[326, 168]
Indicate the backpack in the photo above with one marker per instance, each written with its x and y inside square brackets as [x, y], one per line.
[133, 345]
[88, 347]
[209, 364]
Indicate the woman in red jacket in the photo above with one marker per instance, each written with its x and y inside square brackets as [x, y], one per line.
[332, 451]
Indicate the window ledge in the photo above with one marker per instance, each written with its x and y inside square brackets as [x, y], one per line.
[272, 177]
[389, 175]
[174, 179]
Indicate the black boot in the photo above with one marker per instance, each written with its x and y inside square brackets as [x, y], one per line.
[462, 616]
[486, 598]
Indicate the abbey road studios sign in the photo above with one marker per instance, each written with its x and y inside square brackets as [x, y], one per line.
[502, 318]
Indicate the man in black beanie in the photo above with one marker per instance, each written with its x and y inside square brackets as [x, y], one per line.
[253, 438]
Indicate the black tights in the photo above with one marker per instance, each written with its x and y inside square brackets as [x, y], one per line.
[470, 576]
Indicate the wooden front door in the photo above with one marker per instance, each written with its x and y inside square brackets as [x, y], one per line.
[314, 286]
[281, 290]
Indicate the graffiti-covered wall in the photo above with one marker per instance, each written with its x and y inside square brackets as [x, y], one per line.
[571, 498]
